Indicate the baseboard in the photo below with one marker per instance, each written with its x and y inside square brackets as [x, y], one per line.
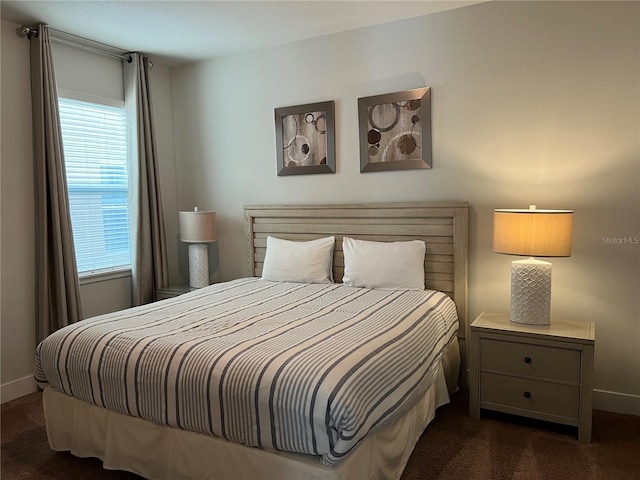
[17, 388]
[616, 402]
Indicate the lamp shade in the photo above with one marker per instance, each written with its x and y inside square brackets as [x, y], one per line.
[536, 233]
[197, 226]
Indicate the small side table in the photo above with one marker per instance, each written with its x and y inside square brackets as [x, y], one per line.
[171, 291]
[537, 371]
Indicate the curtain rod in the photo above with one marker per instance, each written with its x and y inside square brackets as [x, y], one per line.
[77, 42]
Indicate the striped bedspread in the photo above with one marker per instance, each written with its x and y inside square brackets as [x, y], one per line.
[296, 367]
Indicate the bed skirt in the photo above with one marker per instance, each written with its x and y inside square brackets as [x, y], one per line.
[165, 453]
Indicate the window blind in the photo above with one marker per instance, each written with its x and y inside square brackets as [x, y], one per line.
[94, 139]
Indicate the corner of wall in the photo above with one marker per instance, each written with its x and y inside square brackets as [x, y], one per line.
[18, 388]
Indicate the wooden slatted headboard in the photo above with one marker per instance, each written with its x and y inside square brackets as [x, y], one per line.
[442, 225]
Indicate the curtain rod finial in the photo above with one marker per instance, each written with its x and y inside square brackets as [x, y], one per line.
[27, 31]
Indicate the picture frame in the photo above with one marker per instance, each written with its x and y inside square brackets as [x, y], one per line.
[395, 131]
[305, 139]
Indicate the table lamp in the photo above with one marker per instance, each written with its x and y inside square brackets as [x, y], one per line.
[198, 228]
[540, 233]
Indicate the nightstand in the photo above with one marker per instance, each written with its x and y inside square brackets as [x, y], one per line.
[543, 372]
[171, 291]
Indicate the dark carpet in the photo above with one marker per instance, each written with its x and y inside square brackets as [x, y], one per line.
[453, 447]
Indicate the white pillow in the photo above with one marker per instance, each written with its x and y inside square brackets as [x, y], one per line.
[301, 262]
[384, 265]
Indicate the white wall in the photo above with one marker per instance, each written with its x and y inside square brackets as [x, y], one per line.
[17, 245]
[17, 264]
[533, 102]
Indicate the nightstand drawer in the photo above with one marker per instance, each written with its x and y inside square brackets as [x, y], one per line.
[550, 363]
[531, 395]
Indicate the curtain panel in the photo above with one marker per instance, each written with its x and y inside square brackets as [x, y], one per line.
[149, 263]
[58, 287]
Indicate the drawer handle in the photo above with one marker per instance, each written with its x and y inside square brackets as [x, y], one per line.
[527, 359]
[527, 394]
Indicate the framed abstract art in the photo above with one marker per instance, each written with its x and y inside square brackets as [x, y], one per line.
[395, 131]
[305, 139]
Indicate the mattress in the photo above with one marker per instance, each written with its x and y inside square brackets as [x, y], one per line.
[303, 368]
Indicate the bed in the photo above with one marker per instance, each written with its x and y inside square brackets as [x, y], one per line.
[346, 381]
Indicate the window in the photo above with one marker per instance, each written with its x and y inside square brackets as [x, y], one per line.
[94, 137]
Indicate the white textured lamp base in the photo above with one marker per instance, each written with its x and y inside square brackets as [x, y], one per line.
[198, 265]
[531, 292]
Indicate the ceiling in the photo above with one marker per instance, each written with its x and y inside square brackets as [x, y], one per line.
[177, 32]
